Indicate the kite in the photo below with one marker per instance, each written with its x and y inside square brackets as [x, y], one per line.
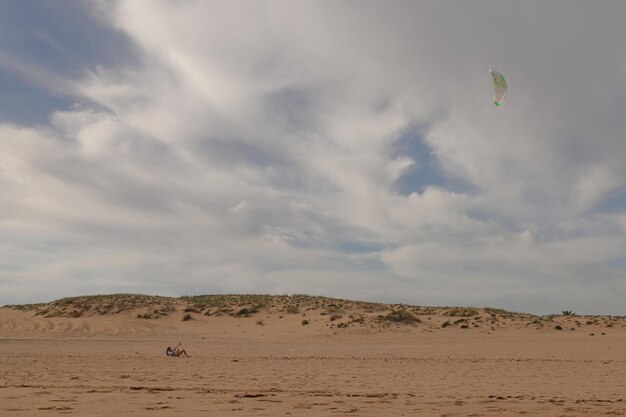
[499, 86]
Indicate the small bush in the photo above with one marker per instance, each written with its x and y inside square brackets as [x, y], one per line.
[402, 316]
[243, 312]
[461, 312]
[292, 310]
[558, 327]
[567, 313]
[187, 317]
[358, 319]
[305, 322]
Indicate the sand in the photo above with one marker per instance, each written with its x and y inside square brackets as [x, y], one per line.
[115, 364]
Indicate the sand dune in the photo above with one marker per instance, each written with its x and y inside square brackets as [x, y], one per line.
[254, 356]
[127, 314]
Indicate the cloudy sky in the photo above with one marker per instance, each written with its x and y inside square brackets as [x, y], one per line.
[347, 149]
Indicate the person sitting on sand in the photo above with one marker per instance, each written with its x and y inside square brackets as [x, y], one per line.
[176, 352]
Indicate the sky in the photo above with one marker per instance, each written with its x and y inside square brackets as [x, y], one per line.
[348, 149]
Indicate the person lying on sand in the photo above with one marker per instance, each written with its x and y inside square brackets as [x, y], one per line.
[176, 352]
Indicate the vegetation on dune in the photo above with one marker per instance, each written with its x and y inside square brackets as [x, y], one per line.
[24, 307]
[92, 305]
[336, 313]
[401, 316]
[499, 312]
[461, 312]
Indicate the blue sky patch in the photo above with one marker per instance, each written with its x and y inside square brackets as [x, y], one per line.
[57, 40]
[427, 170]
[24, 104]
[615, 202]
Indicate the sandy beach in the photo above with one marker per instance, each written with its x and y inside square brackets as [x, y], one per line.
[270, 364]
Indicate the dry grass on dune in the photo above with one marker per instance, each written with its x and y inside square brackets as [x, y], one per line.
[93, 305]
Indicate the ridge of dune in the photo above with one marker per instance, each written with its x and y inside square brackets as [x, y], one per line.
[263, 315]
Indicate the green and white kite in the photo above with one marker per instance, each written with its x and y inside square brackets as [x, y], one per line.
[499, 86]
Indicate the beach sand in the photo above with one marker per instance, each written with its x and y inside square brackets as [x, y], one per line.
[270, 364]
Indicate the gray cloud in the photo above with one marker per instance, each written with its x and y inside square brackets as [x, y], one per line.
[340, 149]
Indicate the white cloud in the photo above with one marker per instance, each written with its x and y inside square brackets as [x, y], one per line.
[254, 149]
